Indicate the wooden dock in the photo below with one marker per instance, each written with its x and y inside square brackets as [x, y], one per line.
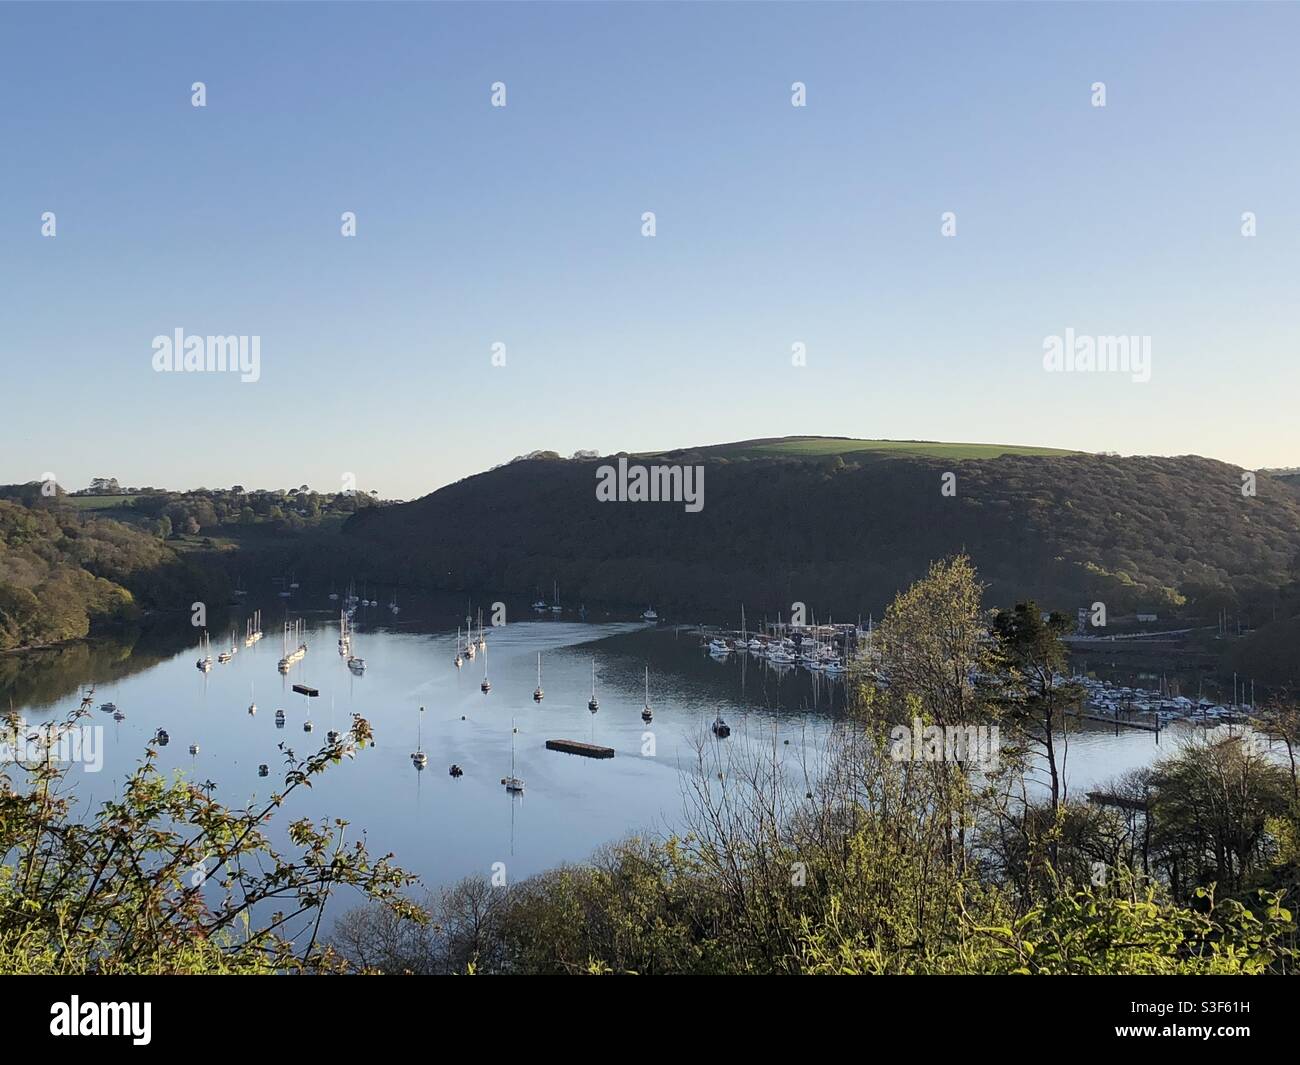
[1118, 722]
[1108, 798]
[587, 750]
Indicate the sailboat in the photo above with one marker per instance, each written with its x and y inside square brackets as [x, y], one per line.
[646, 713]
[290, 657]
[418, 758]
[205, 653]
[650, 615]
[539, 604]
[486, 686]
[592, 704]
[393, 605]
[458, 655]
[482, 639]
[469, 634]
[513, 784]
[345, 641]
[227, 655]
[537, 692]
[252, 704]
[555, 599]
[253, 629]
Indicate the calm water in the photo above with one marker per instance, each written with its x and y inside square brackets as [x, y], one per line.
[439, 827]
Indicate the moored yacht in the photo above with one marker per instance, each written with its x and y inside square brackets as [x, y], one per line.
[513, 783]
[418, 758]
[205, 653]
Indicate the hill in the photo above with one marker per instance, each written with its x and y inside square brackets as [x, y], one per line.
[64, 571]
[842, 525]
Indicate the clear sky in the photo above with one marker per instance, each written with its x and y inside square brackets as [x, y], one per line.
[522, 225]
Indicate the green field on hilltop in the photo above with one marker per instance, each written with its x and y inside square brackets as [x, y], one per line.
[820, 446]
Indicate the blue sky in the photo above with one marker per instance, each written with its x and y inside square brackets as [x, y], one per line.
[521, 224]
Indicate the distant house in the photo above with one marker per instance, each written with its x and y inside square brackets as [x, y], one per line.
[1146, 617]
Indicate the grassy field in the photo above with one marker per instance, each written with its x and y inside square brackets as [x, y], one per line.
[823, 446]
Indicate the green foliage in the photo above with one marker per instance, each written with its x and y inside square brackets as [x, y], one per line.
[1088, 933]
[162, 878]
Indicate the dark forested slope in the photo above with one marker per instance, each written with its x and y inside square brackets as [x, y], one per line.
[843, 532]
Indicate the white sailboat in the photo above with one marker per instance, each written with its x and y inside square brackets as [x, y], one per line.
[538, 694]
[226, 655]
[646, 713]
[345, 641]
[355, 662]
[288, 657]
[418, 758]
[593, 704]
[555, 599]
[486, 686]
[458, 659]
[470, 649]
[205, 653]
[512, 783]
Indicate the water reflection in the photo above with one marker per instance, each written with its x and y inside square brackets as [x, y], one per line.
[440, 825]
